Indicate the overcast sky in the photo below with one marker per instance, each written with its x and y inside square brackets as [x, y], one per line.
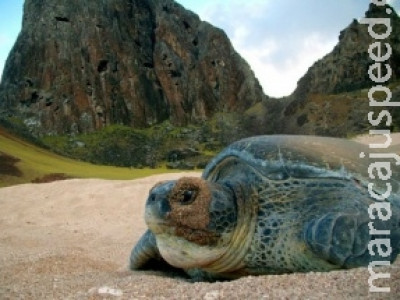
[279, 39]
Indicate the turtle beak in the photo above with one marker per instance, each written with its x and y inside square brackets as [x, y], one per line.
[157, 205]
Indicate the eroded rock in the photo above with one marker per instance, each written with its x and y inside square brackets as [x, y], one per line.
[78, 66]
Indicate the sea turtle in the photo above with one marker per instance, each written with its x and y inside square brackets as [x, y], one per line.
[272, 205]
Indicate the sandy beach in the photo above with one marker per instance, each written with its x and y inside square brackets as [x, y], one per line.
[71, 239]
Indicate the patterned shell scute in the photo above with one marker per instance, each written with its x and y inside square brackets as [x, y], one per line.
[280, 157]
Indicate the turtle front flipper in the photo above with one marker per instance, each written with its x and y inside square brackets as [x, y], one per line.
[343, 238]
[145, 254]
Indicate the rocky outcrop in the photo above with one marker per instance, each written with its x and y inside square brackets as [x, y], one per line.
[78, 66]
[331, 98]
[345, 69]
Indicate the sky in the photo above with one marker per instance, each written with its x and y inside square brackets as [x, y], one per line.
[279, 39]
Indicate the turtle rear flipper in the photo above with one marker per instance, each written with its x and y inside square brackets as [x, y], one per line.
[342, 238]
[145, 254]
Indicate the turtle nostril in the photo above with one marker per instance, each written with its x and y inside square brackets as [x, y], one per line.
[164, 207]
[152, 198]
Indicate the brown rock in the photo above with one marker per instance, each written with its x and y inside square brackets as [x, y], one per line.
[345, 69]
[80, 65]
[331, 98]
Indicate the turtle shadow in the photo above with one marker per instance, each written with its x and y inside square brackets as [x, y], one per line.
[162, 269]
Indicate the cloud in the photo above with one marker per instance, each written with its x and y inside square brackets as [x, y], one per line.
[281, 40]
[279, 78]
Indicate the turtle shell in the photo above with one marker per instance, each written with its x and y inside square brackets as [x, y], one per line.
[281, 156]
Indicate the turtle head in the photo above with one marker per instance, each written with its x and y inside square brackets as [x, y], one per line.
[192, 220]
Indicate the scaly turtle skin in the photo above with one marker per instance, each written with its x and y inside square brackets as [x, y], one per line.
[271, 205]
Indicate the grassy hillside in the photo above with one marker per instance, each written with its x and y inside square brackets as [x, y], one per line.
[21, 162]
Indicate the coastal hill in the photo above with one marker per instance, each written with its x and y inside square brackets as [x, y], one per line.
[79, 66]
[148, 84]
[331, 99]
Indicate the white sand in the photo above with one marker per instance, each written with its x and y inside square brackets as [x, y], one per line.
[72, 239]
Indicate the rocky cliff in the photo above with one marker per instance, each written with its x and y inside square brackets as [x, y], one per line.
[78, 66]
[331, 98]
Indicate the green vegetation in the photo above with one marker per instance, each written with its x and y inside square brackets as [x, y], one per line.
[134, 153]
[28, 162]
[114, 145]
[122, 146]
[115, 152]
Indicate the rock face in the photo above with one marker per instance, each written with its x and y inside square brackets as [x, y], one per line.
[331, 98]
[80, 65]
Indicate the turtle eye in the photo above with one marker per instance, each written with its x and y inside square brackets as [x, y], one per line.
[188, 197]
